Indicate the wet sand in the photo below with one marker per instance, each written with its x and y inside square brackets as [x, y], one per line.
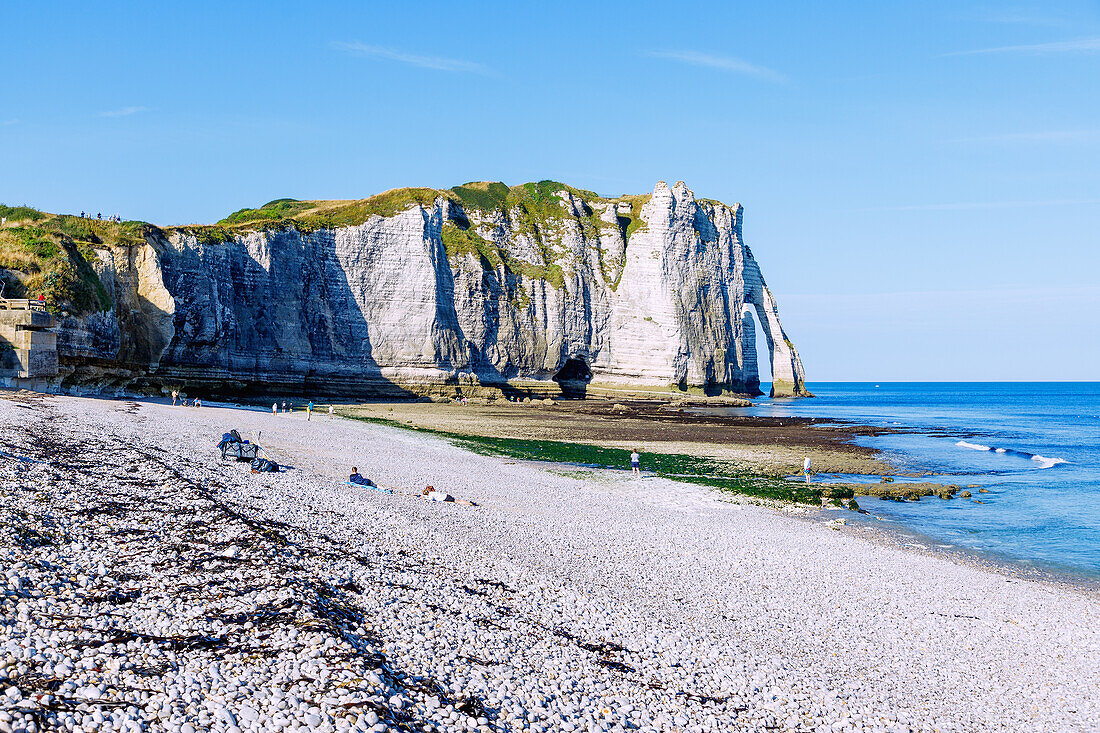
[774, 446]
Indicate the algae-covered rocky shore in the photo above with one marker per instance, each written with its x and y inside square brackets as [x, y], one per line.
[764, 445]
[150, 586]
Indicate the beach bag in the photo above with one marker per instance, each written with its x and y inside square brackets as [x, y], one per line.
[246, 451]
[240, 451]
[263, 465]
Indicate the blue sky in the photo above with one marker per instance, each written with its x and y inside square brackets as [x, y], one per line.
[921, 180]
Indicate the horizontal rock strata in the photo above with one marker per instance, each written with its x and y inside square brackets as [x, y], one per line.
[480, 284]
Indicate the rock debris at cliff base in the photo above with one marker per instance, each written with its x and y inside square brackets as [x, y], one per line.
[149, 587]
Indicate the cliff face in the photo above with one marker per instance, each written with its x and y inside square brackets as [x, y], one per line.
[639, 291]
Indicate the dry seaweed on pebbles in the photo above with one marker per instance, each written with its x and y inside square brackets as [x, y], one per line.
[164, 607]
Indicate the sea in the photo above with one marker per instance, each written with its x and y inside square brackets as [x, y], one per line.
[1033, 446]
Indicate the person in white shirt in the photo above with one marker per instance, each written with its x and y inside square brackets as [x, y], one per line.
[635, 462]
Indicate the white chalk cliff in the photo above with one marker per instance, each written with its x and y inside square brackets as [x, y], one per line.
[477, 284]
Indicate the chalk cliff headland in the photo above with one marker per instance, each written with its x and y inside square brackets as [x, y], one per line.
[413, 289]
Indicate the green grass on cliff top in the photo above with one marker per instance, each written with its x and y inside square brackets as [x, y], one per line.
[538, 200]
[51, 255]
[539, 211]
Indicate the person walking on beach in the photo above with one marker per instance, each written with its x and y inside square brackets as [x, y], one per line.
[309, 410]
[635, 462]
[274, 408]
[330, 412]
[284, 405]
[175, 397]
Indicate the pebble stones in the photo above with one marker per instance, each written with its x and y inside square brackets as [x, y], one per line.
[146, 590]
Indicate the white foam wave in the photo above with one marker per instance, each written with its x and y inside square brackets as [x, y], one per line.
[1048, 462]
[1043, 460]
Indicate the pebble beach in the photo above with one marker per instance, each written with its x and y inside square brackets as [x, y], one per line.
[148, 586]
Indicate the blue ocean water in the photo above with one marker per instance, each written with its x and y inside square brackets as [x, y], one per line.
[1034, 446]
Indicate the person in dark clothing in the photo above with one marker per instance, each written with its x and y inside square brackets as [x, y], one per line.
[355, 478]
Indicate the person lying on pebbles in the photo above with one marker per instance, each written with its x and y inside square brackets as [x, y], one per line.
[429, 492]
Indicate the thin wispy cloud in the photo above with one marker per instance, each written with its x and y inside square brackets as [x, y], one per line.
[1020, 16]
[721, 63]
[12, 121]
[1041, 136]
[975, 205]
[124, 112]
[1081, 45]
[437, 63]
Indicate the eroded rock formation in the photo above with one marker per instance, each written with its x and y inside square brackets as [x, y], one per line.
[476, 284]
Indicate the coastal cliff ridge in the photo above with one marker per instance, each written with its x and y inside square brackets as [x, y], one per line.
[412, 290]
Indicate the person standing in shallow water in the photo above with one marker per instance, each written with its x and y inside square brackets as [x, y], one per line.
[635, 462]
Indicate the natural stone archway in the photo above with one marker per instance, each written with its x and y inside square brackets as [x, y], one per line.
[573, 378]
[750, 368]
[788, 377]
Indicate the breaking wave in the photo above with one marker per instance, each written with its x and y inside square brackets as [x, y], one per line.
[1042, 460]
[1048, 462]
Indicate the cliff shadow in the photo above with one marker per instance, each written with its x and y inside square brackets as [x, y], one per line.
[290, 326]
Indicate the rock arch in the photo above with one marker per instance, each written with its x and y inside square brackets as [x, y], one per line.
[788, 376]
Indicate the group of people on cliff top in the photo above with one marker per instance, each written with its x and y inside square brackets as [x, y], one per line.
[99, 216]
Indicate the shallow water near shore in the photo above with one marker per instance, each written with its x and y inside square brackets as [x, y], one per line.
[1034, 447]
